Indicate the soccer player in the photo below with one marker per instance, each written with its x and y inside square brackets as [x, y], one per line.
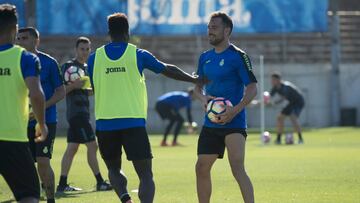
[78, 116]
[116, 71]
[19, 71]
[168, 107]
[229, 74]
[54, 90]
[293, 95]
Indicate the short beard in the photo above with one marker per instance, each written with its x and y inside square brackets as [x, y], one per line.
[216, 41]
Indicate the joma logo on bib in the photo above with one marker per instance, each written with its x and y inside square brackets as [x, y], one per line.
[115, 70]
[5, 71]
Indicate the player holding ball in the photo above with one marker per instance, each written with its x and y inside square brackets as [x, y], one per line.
[228, 73]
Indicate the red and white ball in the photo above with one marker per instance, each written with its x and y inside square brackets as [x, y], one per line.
[266, 137]
[217, 106]
[73, 73]
[289, 138]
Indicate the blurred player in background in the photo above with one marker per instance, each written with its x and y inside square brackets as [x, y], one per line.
[292, 94]
[168, 107]
[229, 74]
[78, 116]
[116, 71]
[19, 78]
[54, 90]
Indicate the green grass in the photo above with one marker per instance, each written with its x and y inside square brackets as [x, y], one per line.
[325, 169]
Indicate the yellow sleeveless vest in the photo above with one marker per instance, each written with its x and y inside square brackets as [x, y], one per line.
[14, 102]
[120, 90]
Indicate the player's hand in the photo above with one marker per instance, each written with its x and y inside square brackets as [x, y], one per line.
[41, 132]
[227, 116]
[205, 100]
[78, 84]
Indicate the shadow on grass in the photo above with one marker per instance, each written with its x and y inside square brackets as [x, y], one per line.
[60, 195]
[8, 201]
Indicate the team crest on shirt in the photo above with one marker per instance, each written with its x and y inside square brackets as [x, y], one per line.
[221, 62]
[208, 61]
[45, 150]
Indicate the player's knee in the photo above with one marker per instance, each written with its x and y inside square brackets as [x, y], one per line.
[43, 161]
[71, 151]
[202, 168]
[92, 146]
[237, 165]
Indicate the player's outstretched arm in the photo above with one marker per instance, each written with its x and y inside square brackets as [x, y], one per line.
[37, 99]
[176, 73]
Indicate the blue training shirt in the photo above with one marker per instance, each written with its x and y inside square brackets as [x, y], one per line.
[145, 60]
[50, 80]
[228, 73]
[176, 99]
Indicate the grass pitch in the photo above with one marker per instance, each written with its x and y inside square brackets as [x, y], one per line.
[325, 169]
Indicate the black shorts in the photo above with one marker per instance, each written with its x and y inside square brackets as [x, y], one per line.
[168, 112]
[212, 140]
[42, 149]
[80, 130]
[18, 169]
[292, 109]
[134, 140]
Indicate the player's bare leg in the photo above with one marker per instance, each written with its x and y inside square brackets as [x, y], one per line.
[91, 156]
[235, 144]
[68, 157]
[203, 176]
[46, 174]
[295, 122]
[92, 148]
[118, 179]
[66, 163]
[280, 127]
[143, 169]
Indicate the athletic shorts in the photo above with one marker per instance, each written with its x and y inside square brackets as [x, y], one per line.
[135, 142]
[168, 112]
[212, 140]
[292, 109]
[18, 169]
[42, 149]
[80, 130]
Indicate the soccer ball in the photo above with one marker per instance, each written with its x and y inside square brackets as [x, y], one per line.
[216, 106]
[73, 73]
[266, 97]
[266, 137]
[289, 138]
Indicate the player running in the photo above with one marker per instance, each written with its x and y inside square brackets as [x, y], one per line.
[54, 90]
[229, 72]
[116, 71]
[78, 116]
[19, 78]
[296, 103]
